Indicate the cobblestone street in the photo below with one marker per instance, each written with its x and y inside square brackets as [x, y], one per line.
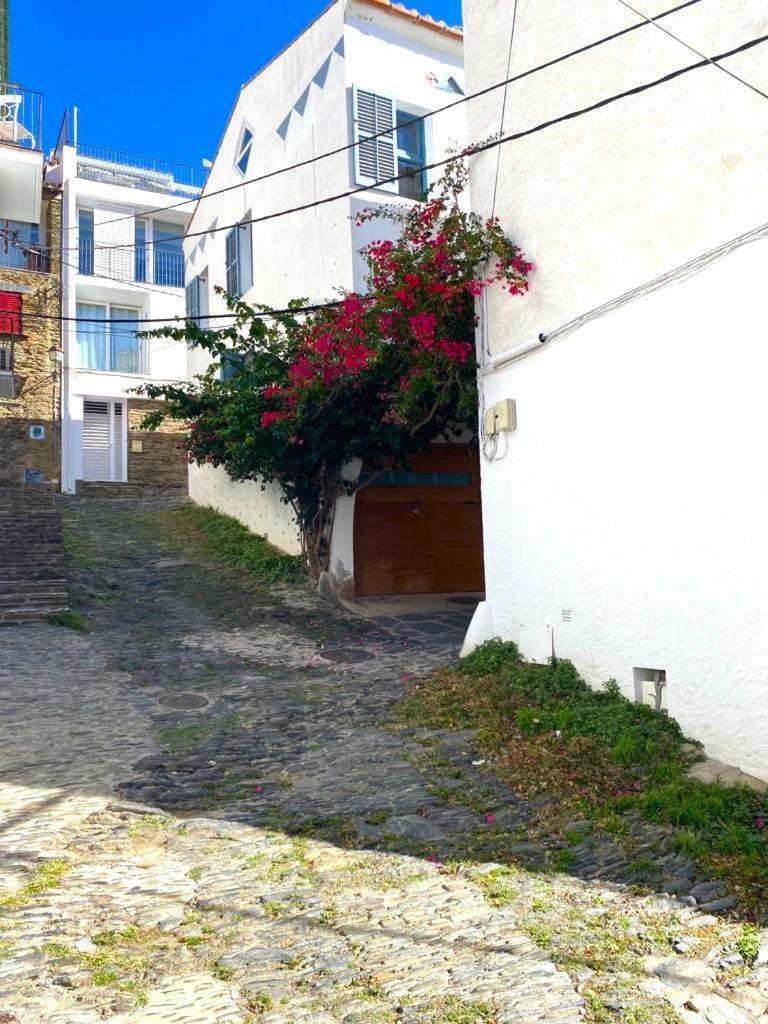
[208, 817]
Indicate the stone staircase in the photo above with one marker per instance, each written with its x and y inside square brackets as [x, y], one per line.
[32, 574]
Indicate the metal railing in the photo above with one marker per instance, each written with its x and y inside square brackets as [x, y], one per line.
[144, 264]
[21, 255]
[6, 355]
[168, 268]
[117, 167]
[21, 113]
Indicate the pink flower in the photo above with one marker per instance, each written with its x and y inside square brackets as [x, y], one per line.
[412, 280]
[490, 818]
[258, 789]
[760, 823]
[268, 418]
[434, 859]
[423, 327]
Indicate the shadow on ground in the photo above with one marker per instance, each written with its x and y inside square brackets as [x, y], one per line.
[216, 762]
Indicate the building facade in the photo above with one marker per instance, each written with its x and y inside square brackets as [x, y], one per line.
[624, 516]
[122, 264]
[30, 238]
[361, 67]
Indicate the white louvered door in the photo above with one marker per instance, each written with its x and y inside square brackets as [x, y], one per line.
[103, 457]
[375, 157]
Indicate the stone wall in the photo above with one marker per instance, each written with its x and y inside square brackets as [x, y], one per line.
[37, 392]
[155, 457]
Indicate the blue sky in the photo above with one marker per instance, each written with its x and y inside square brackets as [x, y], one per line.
[155, 78]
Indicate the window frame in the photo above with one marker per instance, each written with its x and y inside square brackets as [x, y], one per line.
[143, 349]
[399, 156]
[244, 149]
[418, 163]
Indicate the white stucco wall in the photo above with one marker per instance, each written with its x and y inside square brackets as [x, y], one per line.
[313, 253]
[633, 495]
[261, 510]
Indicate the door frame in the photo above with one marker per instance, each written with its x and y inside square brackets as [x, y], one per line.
[123, 440]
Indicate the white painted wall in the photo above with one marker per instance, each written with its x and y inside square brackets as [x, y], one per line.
[111, 283]
[313, 253]
[262, 511]
[634, 493]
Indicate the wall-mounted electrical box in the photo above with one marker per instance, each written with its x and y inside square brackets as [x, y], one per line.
[500, 417]
[37, 432]
[137, 445]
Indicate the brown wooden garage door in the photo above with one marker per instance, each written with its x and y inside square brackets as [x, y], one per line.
[419, 531]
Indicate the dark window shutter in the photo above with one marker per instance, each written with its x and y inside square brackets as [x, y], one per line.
[231, 257]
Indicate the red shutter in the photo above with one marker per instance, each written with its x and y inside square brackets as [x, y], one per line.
[10, 312]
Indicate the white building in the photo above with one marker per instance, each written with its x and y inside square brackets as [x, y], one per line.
[361, 66]
[122, 262]
[625, 516]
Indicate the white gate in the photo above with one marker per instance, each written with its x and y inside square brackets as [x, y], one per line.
[103, 440]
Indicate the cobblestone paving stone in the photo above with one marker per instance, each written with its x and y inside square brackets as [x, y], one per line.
[279, 854]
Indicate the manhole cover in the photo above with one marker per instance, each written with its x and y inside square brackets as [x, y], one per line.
[183, 701]
[350, 655]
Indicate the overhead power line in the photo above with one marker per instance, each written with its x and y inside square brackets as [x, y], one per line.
[411, 121]
[711, 60]
[179, 320]
[475, 149]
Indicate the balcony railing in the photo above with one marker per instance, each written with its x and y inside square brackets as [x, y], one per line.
[19, 251]
[144, 264]
[21, 113]
[115, 167]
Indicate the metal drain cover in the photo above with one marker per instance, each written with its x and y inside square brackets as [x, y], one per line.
[183, 701]
[350, 655]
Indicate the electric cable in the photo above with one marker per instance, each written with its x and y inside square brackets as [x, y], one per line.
[411, 121]
[472, 149]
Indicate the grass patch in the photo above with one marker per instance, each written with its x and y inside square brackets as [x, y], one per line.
[44, 877]
[221, 537]
[70, 620]
[597, 755]
[186, 735]
[498, 886]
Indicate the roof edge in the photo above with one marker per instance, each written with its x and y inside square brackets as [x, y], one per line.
[401, 11]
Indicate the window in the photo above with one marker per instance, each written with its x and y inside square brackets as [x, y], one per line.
[411, 156]
[85, 228]
[244, 150]
[231, 362]
[388, 146]
[168, 256]
[10, 313]
[237, 259]
[20, 246]
[109, 341]
[140, 252]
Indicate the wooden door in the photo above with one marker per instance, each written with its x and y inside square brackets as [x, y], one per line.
[419, 531]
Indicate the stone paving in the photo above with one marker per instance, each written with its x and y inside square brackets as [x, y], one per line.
[207, 818]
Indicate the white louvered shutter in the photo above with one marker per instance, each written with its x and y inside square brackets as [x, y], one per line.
[97, 441]
[113, 243]
[375, 158]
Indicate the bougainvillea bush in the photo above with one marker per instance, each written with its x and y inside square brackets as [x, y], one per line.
[375, 376]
